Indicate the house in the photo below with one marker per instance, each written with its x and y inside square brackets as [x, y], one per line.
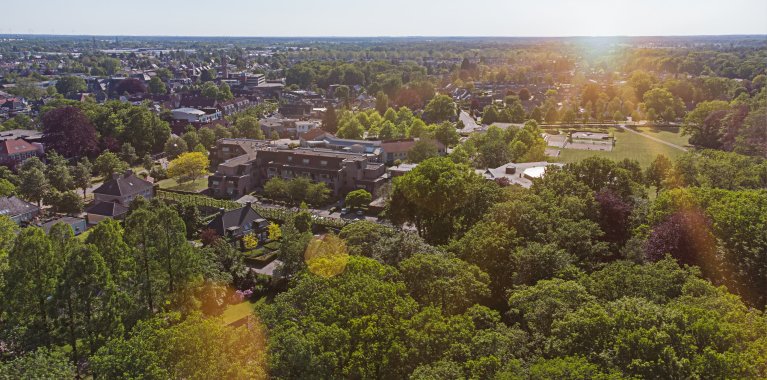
[111, 200]
[79, 225]
[18, 210]
[237, 223]
[13, 152]
[103, 210]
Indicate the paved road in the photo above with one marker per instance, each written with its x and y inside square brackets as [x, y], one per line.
[623, 126]
[469, 124]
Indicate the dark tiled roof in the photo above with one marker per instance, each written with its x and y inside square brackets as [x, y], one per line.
[125, 184]
[235, 218]
[12, 206]
[107, 209]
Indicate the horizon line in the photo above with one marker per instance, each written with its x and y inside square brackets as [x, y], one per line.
[385, 36]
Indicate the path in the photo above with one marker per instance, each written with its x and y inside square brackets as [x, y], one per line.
[624, 127]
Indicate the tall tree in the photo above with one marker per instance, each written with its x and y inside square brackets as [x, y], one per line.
[68, 131]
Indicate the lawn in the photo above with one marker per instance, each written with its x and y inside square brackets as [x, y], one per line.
[628, 145]
[672, 135]
[195, 186]
[234, 313]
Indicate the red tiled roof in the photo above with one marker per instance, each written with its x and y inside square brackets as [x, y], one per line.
[17, 146]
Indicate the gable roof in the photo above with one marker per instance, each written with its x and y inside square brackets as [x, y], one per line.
[235, 218]
[107, 209]
[123, 184]
[12, 206]
[313, 134]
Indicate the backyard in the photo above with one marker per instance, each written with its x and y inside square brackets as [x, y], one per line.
[193, 186]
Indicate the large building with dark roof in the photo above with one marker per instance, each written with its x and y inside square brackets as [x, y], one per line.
[257, 163]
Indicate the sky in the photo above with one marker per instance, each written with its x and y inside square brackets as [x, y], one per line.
[255, 18]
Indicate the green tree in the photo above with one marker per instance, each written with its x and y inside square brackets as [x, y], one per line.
[358, 199]
[250, 128]
[128, 154]
[84, 300]
[450, 284]
[70, 85]
[33, 185]
[33, 272]
[422, 150]
[174, 147]
[109, 163]
[440, 108]
[81, 175]
[157, 86]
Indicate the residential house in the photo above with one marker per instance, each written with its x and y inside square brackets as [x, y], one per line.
[111, 199]
[237, 223]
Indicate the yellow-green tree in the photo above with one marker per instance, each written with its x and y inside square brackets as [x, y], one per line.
[275, 233]
[250, 241]
[189, 166]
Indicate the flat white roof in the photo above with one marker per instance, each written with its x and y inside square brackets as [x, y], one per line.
[534, 172]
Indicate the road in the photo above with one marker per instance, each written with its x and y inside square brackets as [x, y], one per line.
[469, 124]
[624, 127]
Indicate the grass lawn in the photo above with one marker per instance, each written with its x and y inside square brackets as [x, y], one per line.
[672, 135]
[195, 186]
[628, 145]
[234, 313]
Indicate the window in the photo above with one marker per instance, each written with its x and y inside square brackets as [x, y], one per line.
[305, 161]
[324, 163]
[290, 158]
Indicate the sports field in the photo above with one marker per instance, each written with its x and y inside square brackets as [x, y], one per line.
[632, 146]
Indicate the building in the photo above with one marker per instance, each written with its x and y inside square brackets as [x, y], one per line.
[521, 174]
[18, 210]
[193, 115]
[111, 200]
[398, 149]
[13, 152]
[340, 171]
[239, 222]
[79, 225]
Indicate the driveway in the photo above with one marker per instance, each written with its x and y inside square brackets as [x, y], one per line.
[469, 124]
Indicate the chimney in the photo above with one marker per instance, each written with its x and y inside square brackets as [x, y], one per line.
[221, 211]
[116, 176]
[249, 204]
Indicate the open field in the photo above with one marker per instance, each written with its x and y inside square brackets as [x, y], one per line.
[672, 135]
[632, 146]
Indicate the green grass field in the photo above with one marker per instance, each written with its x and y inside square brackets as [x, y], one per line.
[672, 135]
[196, 186]
[234, 313]
[632, 146]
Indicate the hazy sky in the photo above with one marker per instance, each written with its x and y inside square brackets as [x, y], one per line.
[385, 17]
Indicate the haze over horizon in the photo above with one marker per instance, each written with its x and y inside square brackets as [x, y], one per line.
[395, 18]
